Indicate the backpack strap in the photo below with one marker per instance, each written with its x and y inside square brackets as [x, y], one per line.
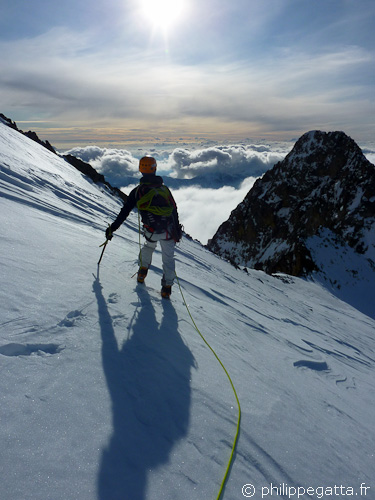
[145, 202]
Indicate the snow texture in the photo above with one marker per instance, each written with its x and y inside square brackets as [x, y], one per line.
[109, 393]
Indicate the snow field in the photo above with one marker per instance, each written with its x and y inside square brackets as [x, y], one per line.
[108, 391]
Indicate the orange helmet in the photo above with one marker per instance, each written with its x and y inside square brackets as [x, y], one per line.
[147, 165]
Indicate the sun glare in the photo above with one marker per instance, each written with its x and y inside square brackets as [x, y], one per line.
[163, 14]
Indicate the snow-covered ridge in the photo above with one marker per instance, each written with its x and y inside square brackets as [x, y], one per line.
[107, 390]
[28, 171]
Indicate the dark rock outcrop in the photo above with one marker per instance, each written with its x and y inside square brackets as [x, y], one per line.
[8, 122]
[31, 135]
[324, 184]
[34, 137]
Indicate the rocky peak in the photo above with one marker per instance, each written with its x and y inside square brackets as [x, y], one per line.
[324, 184]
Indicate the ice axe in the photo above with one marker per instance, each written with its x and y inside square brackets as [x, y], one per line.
[103, 245]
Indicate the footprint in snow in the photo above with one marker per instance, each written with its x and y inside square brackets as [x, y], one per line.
[71, 318]
[318, 366]
[15, 349]
[113, 298]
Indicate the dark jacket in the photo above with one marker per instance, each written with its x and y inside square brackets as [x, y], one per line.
[151, 222]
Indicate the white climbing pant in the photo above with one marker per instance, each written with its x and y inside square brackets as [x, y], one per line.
[167, 254]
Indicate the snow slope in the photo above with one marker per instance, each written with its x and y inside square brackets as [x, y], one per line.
[108, 392]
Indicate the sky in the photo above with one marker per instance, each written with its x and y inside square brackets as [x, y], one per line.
[139, 71]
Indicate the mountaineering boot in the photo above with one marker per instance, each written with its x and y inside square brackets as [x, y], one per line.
[166, 291]
[142, 273]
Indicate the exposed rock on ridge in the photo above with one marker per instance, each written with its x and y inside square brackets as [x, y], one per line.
[87, 169]
[29, 134]
[325, 185]
[84, 168]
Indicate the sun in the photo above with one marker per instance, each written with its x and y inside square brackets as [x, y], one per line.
[163, 14]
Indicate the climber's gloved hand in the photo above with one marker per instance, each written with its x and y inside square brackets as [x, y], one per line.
[109, 233]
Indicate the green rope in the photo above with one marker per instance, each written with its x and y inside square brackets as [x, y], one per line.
[221, 364]
[233, 388]
[139, 239]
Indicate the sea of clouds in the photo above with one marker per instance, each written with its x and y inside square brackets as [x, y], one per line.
[207, 182]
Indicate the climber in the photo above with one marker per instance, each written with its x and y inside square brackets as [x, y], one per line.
[160, 221]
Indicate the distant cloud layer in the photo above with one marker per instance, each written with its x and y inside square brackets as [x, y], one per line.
[115, 164]
[237, 161]
[211, 166]
[209, 202]
[203, 210]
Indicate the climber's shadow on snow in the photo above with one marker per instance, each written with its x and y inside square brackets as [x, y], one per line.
[148, 379]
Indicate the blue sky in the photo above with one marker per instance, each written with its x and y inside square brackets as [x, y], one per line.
[109, 71]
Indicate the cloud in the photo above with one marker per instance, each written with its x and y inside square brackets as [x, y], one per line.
[212, 167]
[117, 165]
[236, 160]
[88, 153]
[71, 79]
[369, 152]
[201, 211]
